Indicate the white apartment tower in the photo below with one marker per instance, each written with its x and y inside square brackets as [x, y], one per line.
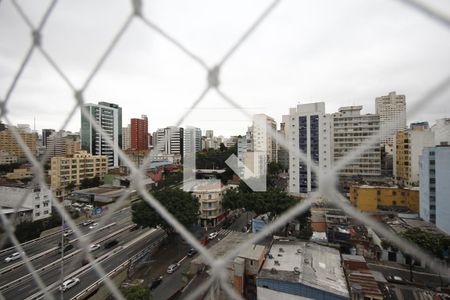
[109, 117]
[392, 112]
[264, 127]
[192, 140]
[435, 187]
[170, 140]
[350, 129]
[307, 129]
[126, 137]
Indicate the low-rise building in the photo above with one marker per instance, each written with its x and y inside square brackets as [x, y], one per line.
[209, 194]
[301, 270]
[103, 195]
[240, 272]
[73, 169]
[373, 198]
[32, 197]
[18, 174]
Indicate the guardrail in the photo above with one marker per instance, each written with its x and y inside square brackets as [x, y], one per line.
[58, 261]
[21, 263]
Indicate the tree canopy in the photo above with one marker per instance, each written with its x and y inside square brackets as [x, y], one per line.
[436, 244]
[137, 292]
[90, 182]
[182, 205]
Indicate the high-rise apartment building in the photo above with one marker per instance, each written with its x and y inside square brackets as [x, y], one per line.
[264, 128]
[139, 133]
[9, 144]
[435, 187]
[209, 134]
[441, 131]
[308, 130]
[75, 168]
[349, 130]
[126, 137]
[408, 146]
[192, 140]
[170, 140]
[109, 117]
[45, 134]
[392, 112]
[282, 152]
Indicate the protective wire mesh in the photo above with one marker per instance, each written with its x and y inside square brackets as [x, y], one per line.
[327, 186]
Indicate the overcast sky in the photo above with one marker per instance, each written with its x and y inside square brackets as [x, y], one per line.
[340, 52]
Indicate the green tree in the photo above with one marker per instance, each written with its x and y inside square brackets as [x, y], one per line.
[433, 243]
[137, 292]
[182, 205]
[90, 182]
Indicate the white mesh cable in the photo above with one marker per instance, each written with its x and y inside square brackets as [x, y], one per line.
[213, 81]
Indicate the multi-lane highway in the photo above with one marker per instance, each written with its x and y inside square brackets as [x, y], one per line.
[19, 284]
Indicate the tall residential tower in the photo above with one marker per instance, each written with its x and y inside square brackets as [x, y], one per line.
[109, 117]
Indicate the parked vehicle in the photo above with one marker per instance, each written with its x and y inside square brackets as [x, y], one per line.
[172, 268]
[12, 257]
[110, 244]
[93, 225]
[212, 235]
[155, 283]
[69, 283]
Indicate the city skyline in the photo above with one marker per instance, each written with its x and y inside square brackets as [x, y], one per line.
[364, 55]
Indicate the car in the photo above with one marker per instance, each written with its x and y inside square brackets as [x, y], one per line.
[68, 232]
[192, 252]
[155, 283]
[87, 223]
[14, 256]
[395, 278]
[66, 248]
[88, 206]
[135, 227]
[93, 225]
[110, 244]
[172, 268]
[212, 235]
[94, 247]
[69, 283]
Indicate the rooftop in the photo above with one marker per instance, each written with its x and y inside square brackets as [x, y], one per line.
[230, 242]
[306, 263]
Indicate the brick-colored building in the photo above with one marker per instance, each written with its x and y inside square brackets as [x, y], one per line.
[139, 133]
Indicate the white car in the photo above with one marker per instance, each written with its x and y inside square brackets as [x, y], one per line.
[69, 283]
[68, 232]
[212, 235]
[14, 256]
[172, 268]
[93, 225]
[94, 247]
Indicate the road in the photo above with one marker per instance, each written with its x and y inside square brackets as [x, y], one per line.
[172, 283]
[40, 245]
[50, 274]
